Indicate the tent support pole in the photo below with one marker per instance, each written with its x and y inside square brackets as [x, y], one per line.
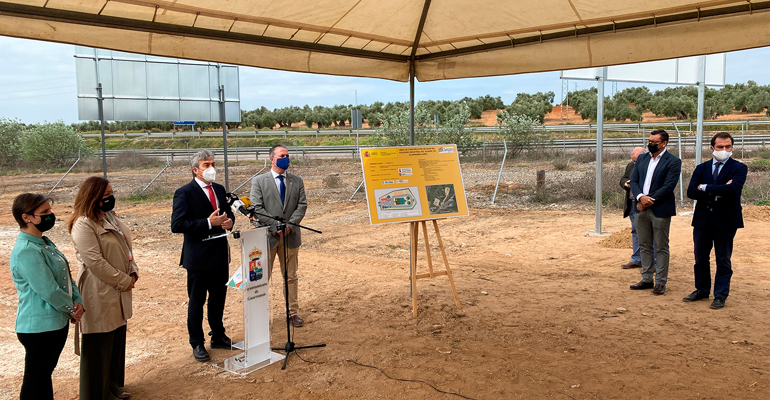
[411, 104]
[701, 101]
[599, 147]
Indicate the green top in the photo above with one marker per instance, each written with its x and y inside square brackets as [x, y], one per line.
[40, 273]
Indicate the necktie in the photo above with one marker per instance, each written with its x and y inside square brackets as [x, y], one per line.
[283, 189]
[716, 171]
[212, 197]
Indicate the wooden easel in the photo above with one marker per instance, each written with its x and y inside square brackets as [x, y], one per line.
[414, 233]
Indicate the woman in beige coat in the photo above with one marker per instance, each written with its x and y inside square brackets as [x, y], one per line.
[106, 276]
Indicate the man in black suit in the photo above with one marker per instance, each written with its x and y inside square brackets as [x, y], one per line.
[716, 186]
[200, 210]
[653, 182]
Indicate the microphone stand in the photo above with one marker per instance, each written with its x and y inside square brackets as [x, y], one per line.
[282, 224]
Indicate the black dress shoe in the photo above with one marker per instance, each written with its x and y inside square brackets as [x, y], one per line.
[659, 289]
[296, 321]
[718, 302]
[695, 296]
[642, 285]
[200, 353]
[221, 342]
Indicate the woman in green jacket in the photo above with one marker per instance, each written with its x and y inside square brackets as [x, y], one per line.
[48, 297]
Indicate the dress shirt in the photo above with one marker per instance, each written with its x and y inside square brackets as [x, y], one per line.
[714, 162]
[650, 172]
[278, 181]
[204, 186]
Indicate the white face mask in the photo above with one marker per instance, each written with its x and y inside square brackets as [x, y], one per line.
[721, 155]
[210, 174]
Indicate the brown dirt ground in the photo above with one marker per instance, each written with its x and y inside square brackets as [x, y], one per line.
[538, 318]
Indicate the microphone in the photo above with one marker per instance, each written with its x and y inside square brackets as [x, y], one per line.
[239, 205]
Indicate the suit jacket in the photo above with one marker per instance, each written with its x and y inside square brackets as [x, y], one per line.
[664, 180]
[191, 210]
[728, 206]
[627, 209]
[267, 200]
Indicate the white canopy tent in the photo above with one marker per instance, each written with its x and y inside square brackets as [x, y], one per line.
[400, 40]
[443, 39]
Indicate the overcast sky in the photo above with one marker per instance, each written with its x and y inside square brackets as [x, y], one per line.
[37, 83]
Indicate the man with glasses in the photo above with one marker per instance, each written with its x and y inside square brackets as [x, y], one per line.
[282, 194]
[716, 186]
[653, 181]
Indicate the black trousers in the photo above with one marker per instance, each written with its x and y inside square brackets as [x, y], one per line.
[722, 242]
[102, 364]
[199, 283]
[42, 351]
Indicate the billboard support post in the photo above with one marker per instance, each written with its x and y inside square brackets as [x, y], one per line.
[224, 131]
[100, 99]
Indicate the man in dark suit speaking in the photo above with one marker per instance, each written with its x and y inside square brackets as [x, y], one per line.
[653, 182]
[716, 185]
[200, 211]
[279, 193]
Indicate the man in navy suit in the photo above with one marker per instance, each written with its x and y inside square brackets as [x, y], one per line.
[716, 186]
[200, 211]
[653, 181]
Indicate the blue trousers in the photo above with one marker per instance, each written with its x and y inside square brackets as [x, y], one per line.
[721, 241]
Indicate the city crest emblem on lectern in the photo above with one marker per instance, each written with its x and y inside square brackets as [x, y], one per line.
[255, 270]
[255, 254]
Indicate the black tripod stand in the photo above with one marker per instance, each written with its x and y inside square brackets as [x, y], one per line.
[282, 226]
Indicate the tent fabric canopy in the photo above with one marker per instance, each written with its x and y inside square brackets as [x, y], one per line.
[442, 39]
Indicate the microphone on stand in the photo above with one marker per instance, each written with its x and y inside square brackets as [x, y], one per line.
[242, 205]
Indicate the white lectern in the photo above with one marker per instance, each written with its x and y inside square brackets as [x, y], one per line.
[256, 306]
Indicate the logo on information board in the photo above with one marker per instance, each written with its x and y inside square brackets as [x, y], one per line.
[446, 149]
[255, 254]
[255, 270]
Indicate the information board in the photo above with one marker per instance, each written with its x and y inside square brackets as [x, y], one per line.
[414, 183]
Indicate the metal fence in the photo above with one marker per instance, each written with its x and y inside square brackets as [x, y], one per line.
[640, 128]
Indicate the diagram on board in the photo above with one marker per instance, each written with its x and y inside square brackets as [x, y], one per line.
[398, 202]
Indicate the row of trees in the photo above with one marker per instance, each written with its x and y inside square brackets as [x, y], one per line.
[680, 102]
[322, 117]
[517, 130]
[629, 104]
[46, 144]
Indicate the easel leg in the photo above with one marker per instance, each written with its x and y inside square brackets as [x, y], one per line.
[446, 264]
[427, 248]
[413, 236]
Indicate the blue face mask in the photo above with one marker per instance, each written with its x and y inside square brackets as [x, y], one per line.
[282, 163]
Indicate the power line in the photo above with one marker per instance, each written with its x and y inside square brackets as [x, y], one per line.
[44, 80]
[38, 95]
[35, 90]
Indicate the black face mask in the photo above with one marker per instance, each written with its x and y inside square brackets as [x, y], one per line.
[47, 222]
[652, 147]
[108, 203]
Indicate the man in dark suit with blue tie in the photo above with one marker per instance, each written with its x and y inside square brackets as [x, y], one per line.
[653, 181]
[201, 211]
[716, 187]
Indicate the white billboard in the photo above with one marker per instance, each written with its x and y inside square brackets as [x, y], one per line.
[137, 87]
[678, 71]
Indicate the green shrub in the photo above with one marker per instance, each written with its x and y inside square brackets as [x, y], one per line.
[10, 141]
[52, 144]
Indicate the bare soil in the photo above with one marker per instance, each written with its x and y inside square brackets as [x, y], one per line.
[539, 298]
